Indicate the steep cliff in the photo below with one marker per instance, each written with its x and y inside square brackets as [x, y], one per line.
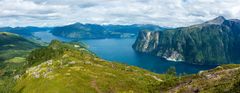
[213, 42]
[71, 68]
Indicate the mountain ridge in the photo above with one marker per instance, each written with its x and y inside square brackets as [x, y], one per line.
[95, 31]
[212, 42]
[65, 67]
[77, 70]
[71, 67]
[85, 31]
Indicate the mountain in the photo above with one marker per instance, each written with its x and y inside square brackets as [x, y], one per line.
[24, 31]
[213, 42]
[94, 31]
[13, 52]
[69, 68]
[86, 31]
[218, 20]
[80, 31]
[134, 29]
[223, 79]
[13, 45]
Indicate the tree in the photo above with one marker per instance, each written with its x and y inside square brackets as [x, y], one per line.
[171, 71]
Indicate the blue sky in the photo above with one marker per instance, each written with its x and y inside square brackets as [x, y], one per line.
[172, 13]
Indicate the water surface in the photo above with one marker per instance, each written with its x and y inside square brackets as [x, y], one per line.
[120, 50]
[46, 36]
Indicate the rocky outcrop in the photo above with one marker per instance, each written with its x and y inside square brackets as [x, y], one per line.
[212, 81]
[213, 42]
[149, 41]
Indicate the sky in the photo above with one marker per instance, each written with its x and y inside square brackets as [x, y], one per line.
[170, 13]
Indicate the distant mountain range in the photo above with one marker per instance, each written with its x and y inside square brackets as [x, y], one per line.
[213, 42]
[87, 31]
[94, 31]
[24, 31]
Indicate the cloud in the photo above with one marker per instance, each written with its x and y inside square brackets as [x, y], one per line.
[172, 13]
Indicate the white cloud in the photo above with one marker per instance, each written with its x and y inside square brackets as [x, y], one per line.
[160, 12]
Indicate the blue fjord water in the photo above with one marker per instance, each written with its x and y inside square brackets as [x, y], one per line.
[120, 50]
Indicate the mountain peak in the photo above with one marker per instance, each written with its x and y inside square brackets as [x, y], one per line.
[218, 20]
[76, 24]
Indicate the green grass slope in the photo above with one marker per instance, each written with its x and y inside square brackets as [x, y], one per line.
[12, 45]
[13, 52]
[223, 79]
[70, 68]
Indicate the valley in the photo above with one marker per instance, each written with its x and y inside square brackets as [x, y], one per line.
[71, 67]
[50, 63]
[119, 46]
[120, 50]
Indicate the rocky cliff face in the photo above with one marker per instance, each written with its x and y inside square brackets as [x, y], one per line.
[149, 41]
[213, 42]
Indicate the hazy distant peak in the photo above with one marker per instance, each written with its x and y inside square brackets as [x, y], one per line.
[77, 23]
[218, 20]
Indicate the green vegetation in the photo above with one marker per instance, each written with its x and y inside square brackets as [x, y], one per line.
[16, 60]
[71, 68]
[95, 31]
[15, 42]
[75, 69]
[223, 79]
[13, 52]
[171, 71]
[13, 45]
[208, 43]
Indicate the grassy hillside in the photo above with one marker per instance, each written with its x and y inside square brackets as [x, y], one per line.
[223, 79]
[13, 52]
[12, 45]
[69, 68]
